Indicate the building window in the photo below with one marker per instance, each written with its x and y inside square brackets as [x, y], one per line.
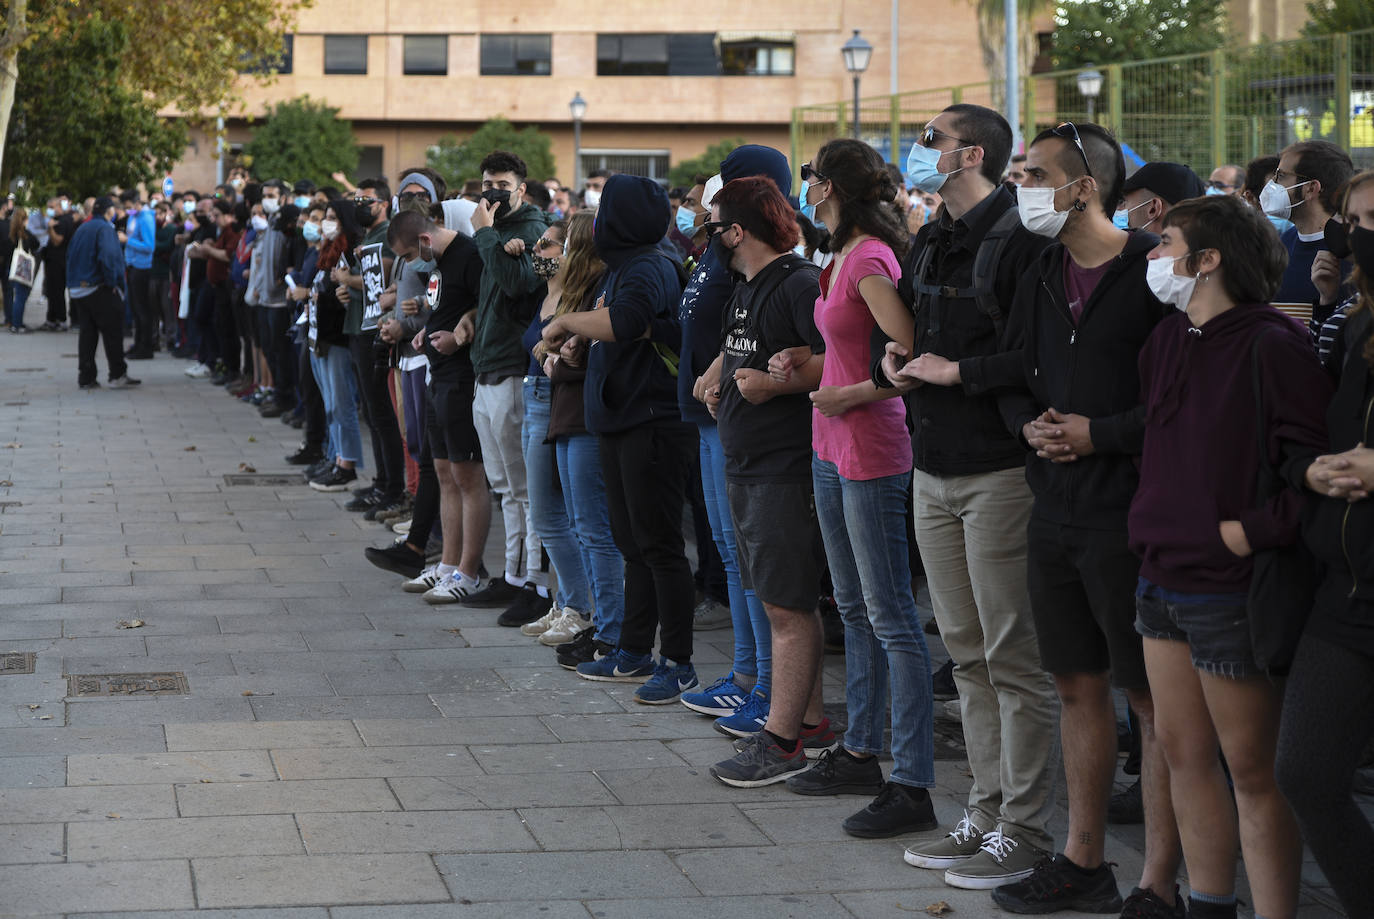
[345, 54]
[516, 55]
[369, 160]
[757, 54]
[426, 55]
[270, 64]
[652, 164]
[631, 55]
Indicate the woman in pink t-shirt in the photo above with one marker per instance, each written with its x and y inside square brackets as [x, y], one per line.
[861, 472]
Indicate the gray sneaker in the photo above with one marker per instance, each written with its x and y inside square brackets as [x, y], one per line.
[761, 762]
[710, 615]
[954, 848]
[1001, 859]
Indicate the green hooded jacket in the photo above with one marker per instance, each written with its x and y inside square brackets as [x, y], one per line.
[506, 282]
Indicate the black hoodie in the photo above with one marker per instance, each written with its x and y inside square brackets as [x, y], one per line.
[1086, 369]
[628, 381]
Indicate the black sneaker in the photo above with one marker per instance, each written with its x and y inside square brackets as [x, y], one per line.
[496, 593]
[91, 385]
[365, 502]
[594, 649]
[1126, 807]
[1146, 904]
[526, 607]
[942, 688]
[838, 773]
[320, 468]
[271, 408]
[581, 640]
[364, 490]
[123, 382]
[398, 559]
[389, 504]
[337, 479]
[896, 810]
[306, 456]
[1058, 884]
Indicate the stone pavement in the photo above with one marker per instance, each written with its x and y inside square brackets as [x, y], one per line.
[340, 749]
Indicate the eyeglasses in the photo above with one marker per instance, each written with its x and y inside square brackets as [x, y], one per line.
[1220, 186]
[1279, 174]
[545, 243]
[808, 173]
[712, 227]
[1077, 142]
[929, 134]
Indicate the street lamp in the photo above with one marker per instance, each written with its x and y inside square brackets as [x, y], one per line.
[856, 53]
[1089, 86]
[578, 108]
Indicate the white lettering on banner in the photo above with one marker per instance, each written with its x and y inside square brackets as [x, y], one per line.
[312, 332]
[370, 265]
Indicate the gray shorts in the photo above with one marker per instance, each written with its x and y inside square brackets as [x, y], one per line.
[776, 539]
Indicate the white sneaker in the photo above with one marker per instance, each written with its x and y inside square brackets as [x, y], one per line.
[565, 628]
[424, 581]
[451, 590]
[198, 371]
[542, 624]
[402, 528]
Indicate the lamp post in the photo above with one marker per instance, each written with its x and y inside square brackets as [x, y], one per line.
[856, 53]
[1089, 86]
[578, 108]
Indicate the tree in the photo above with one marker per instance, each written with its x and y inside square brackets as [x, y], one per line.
[302, 138]
[707, 163]
[992, 39]
[1089, 32]
[457, 161]
[81, 128]
[1328, 17]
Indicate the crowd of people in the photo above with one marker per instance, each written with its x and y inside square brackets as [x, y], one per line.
[1060, 394]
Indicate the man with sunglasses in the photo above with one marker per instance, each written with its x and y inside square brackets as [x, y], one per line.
[1081, 316]
[1305, 190]
[969, 489]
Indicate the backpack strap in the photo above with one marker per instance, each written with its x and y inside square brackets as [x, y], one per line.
[985, 263]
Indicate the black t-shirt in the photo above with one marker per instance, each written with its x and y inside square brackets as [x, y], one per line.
[204, 232]
[54, 253]
[776, 310]
[451, 291]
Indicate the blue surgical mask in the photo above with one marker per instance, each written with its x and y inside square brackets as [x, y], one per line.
[301, 201]
[51, 213]
[311, 231]
[923, 168]
[686, 220]
[1213, 190]
[808, 210]
[1120, 220]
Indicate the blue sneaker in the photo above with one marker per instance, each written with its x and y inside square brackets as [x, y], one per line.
[618, 667]
[748, 719]
[720, 698]
[667, 683]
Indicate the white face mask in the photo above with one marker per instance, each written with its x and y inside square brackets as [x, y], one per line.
[330, 228]
[259, 222]
[1275, 200]
[1036, 207]
[271, 205]
[1167, 286]
[591, 197]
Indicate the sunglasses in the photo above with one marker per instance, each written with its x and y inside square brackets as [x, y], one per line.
[363, 200]
[929, 134]
[808, 173]
[409, 196]
[712, 227]
[1068, 131]
[545, 243]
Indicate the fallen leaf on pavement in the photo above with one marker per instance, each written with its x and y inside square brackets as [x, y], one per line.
[34, 708]
[939, 908]
[130, 624]
[190, 449]
[45, 717]
[252, 439]
[13, 445]
[5, 483]
[244, 467]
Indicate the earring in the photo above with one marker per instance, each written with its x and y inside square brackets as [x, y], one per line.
[1080, 206]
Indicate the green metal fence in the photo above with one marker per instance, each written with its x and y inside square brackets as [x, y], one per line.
[1225, 106]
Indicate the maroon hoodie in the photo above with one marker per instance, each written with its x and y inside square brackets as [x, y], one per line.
[1200, 463]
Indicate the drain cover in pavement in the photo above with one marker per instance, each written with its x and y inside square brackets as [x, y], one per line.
[264, 478]
[127, 684]
[17, 661]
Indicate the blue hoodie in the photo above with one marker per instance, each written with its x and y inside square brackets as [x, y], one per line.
[628, 384]
[142, 234]
[711, 283]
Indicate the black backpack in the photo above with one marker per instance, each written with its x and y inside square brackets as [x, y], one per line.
[985, 262]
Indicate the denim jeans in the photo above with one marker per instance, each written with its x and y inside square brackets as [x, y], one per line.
[863, 525]
[548, 512]
[753, 637]
[17, 296]
[334, 376]
[584, 495]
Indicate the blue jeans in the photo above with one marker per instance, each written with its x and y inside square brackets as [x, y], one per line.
[334, 376]
[753, 637]
[863, 525]
[584, 497]
[16, 296]
[548, 512]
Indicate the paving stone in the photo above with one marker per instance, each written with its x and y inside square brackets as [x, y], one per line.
[374, 762]
[373, 682]
[272, 591]
[373, 639]
[284, 797]
[48, 805]
[302, 912]
[574, 700]
[640, 827]
[474, 792]
[794, 906]
[534, 909]
[30, 843]
[305, 708]
[629, 726]
[276, 621]
[192, 665]
[162, 768]
[856, 865]
[906, 901]
[585, 875]
[256, 684]
[261, 735]
[184, 837]
[161, 625]
[798, 819]
[317, 879]
[39, 771]
[395, 732]
[224, 644]
[84, 739]
[113, 711]
[79, 887]
[682, 785]
[530, 654]
[574, 757]
[316, 661]
[416, 831]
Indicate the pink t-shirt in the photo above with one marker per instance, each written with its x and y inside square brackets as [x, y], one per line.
[869, 441]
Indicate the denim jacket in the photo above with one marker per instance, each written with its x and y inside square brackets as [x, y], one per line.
[94, 257]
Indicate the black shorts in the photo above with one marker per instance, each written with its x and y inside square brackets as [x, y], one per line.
[448, 423]
[1082, 592]
[775, 540]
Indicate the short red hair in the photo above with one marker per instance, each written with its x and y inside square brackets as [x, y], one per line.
[756, 204]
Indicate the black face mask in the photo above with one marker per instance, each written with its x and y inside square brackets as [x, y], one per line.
[499, 197]
[1337, 242]
[723, 253]
[364, 214]
[1362, 249]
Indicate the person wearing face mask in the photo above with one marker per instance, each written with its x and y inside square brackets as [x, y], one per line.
[1080, 317]
[1198, 517]
[311, 414]
[216, 312]
[159, 285]
[1151, 190]
[1328, 717]
[591, 189]
[58, 228]
[303, 192]
[141, 232]
[95, 271]
[1304, 188]
[499, 362]
[970, 495]
[688, 217]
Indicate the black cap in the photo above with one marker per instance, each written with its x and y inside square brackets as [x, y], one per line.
[103, 204]
[304, 187]
[1171, 181]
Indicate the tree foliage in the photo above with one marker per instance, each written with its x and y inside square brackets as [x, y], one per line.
[459, 160]
[77, 125]
[707, 163]
[302, 138]
[1114, 31]
[1329, 17]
